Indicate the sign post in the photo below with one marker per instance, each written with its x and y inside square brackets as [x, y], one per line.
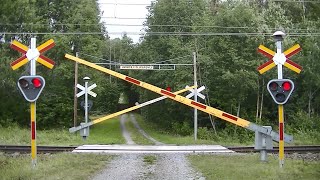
[280, 59]
[85, 91]
[32, 54]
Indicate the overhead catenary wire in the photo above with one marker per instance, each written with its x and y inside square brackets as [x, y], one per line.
[148, 4]
[162, 33]
[149, 25]
[297, 1]
[111, 62]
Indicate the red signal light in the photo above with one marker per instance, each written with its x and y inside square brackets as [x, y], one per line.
[168, 88]
[286, 86]
[36, 82]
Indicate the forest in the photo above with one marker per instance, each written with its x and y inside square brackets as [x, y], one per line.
[225, 35]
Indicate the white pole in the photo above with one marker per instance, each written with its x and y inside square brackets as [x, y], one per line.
[279, 51]
[33, 47]
[195, 95]
[86, 101]
[33, 106]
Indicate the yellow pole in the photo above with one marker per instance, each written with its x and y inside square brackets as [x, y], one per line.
[281, 132]
[33, 134]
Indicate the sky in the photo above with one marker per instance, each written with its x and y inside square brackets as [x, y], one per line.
[117, 13]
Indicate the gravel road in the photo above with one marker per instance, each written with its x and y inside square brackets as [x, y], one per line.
[136, 125]
[137, 167]
[169, 166]
[125, 133]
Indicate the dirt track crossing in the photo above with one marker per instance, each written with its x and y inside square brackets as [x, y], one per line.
[134, 166]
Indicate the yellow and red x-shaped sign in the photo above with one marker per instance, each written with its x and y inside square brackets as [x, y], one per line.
[282, 58]
[29, 54]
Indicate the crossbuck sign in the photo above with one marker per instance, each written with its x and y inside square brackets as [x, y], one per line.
[198, 92]
[88, 90]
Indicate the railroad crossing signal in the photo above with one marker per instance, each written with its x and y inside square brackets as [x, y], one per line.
[32, 54]
[31, 87]
[280, 90]
[198, 92]
[279, 58]
[88, 90]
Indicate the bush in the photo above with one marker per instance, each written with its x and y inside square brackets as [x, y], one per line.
[205, 133]
[182, 128]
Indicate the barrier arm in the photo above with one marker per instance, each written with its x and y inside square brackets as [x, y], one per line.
[74, 129]
[202, 107]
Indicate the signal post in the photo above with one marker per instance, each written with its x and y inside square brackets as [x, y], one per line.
[32, 86]
[280, 89]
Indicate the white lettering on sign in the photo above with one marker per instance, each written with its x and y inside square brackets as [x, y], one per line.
[135, 67]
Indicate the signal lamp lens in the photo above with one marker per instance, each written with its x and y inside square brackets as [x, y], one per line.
[273, 86]
[36, 82]
[23, 83]
[280, 97]
[286, 86]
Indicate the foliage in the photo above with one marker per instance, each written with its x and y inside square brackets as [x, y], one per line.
[224, 35]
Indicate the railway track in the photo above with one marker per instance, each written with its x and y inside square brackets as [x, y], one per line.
[40, 149]
[240, 149]
[287, 149]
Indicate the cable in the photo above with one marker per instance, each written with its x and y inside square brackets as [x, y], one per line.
[161, 33]
[111, 62]
[124, 4]
[299, 1]
[153, 25]
[106, 17]
[172, 59]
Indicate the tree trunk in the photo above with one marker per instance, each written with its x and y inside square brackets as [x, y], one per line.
[309, 104]
[238, 114]
[258, 99]
[261, 102]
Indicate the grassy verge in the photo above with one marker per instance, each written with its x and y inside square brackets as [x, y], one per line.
[168, 138]
[301, 138]
[107, 132]
[136, 136]
[248, 167]
[53, 166]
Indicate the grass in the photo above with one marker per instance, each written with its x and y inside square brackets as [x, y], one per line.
[52, 166]
[301, 138]
[249, 167]
[149, 159]
[307, 138]
[136, 136]
[106, 132]
[168, 138]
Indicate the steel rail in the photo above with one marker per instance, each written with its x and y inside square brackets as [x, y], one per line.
[240, 149]
[287, 149]
[41, 149]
